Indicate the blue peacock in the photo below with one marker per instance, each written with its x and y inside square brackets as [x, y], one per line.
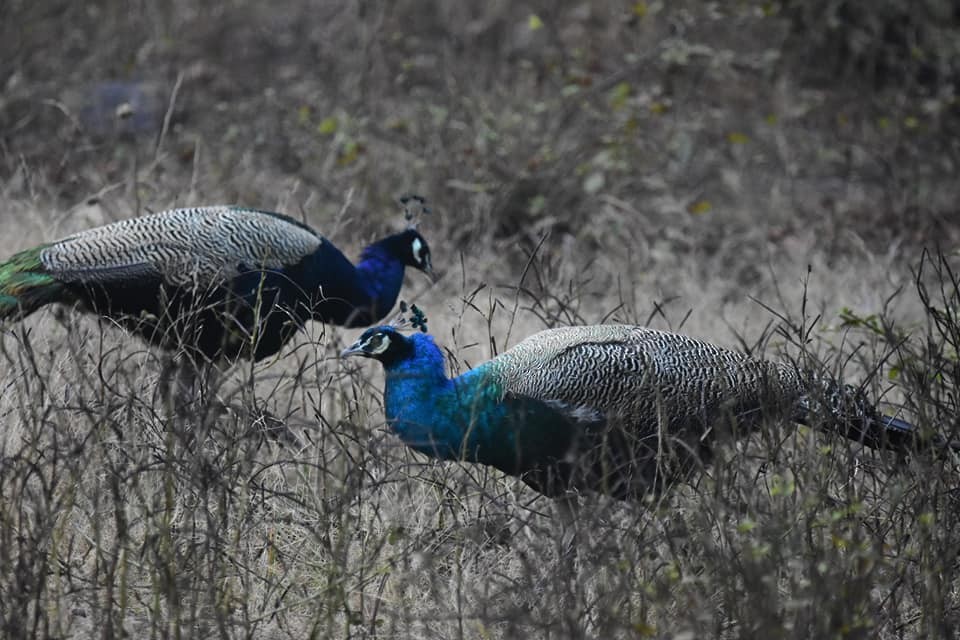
[217, 281]
[619, 410]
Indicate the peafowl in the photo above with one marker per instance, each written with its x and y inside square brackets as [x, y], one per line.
[217, 281]
[619, 410]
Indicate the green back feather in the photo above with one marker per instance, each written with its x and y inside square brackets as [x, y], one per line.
[25, 284]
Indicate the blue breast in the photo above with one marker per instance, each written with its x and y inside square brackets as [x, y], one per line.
[421, 404]
[468, 418]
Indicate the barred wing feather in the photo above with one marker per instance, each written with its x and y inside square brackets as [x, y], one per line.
[201, 245]
[644, 376]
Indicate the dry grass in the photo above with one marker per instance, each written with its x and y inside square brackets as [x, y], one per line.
[627, 163]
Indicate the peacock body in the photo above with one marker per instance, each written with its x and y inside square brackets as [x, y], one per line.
[219, 281]
[609, 408]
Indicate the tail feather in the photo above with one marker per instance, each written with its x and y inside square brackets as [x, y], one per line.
[848, 411]
[25, 285]
[878, 431]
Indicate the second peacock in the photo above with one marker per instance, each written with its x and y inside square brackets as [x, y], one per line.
[619, 410]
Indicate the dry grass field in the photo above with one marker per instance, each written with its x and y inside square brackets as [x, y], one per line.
[778, 177]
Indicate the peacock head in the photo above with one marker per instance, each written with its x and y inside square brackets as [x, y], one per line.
[384, 343]
[414, 251]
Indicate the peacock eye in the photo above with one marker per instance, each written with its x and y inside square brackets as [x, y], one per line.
[377, 344]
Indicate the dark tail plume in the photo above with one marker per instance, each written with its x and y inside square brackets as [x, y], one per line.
[831, 405]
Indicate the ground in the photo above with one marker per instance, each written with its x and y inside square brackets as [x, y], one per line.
[740, 171]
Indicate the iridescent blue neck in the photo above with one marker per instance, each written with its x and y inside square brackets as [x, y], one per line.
[380, 275]
[430, 412]
[470, 417]
[338, 292]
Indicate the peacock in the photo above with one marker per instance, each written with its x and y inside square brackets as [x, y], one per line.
[212, 282]
[619, 410]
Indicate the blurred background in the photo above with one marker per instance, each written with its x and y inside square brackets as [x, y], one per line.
[664, 163]
[642, 136]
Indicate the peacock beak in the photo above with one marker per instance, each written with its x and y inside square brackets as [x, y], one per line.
[428, 269]
[356, 349]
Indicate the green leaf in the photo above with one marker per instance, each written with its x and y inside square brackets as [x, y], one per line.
[349, 154]
[735, 137]
[619, 95]
[303, 114]
[537, 204]
[328, 125]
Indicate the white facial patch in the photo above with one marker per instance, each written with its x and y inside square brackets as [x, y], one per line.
[417, 249]
[380, 344]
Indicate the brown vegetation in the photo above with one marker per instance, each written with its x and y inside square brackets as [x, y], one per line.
[651, 162]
